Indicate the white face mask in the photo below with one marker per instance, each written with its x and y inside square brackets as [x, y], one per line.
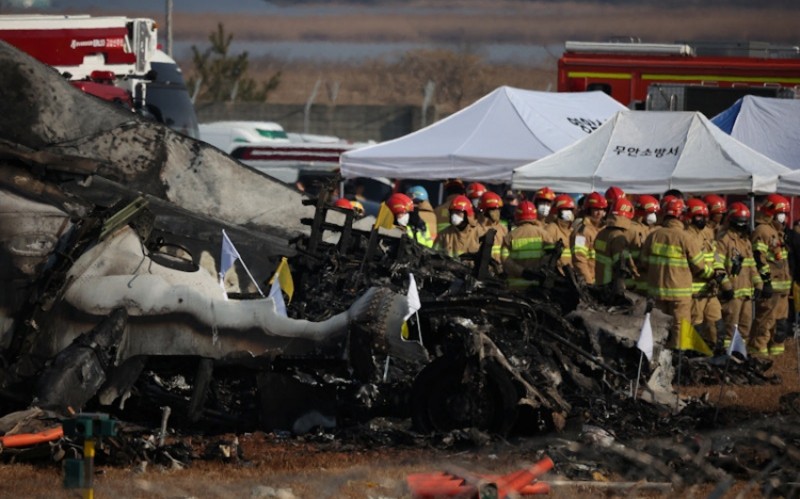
[567, 215]
[456, 219]
[543, 209]
[475, 202]
[403, 219]
[781, 218]
[651, 218]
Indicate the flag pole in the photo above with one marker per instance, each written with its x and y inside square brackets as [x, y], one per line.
[419, 328]
[251, 277]
[638, 375]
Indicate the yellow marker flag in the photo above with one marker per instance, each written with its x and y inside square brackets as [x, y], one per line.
[404, 333]
[691, 340]
[284, 276]
[385, 218]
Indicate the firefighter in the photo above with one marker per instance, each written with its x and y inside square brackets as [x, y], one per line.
[614, 260]
[402, 207]
[716, 210]
[733, 245]
[452, 188]
[490, 205]
[462, 235]
[543, 200]
[646, 213]
[671, 257]
[584, 234]
[560, 230]
[706, 307]
[772, 262]
[474, 192]
[509, 209]
[423, 207]
[613, 193]
[523, 247]
[645, 220]
[664, 202]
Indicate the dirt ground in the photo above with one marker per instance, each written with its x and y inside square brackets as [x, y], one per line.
[276, 466]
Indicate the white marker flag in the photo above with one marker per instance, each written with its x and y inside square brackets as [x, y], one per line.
[645, 343]
[413, 297]
[228, 257]
[737, 343]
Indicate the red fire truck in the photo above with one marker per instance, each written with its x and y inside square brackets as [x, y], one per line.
[114, 58]
[706, 77]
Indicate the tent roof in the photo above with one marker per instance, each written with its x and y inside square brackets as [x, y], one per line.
[790, 183]
[769, 125]
[488, 139]
[653, 151]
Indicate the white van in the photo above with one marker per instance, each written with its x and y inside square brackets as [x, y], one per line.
[228, 135]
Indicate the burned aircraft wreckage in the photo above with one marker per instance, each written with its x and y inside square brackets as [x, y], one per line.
[110, 233]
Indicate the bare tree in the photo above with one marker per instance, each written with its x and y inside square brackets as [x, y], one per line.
[223, 77]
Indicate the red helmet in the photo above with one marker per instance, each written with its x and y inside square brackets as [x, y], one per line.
[461, 203]
[595, 201]
[526, 211]
[623, 208]
[647, 204]
[665, 201]
[674, 207]
[716, 204]
[613, 193]
[490, 200]
[563, 202]
[738, 212]
[696, 207]
[475, 190]
[399, 203]
[343, 203]
[544, 194]
[775, 203]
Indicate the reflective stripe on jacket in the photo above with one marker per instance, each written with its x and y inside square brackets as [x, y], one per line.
[705, 238]
[523, 248]
[582, 242]
[732, 245]
[500, 233]
[613, 243]
[421, 237]
[770, 251]
[559, 230]
[671, 257]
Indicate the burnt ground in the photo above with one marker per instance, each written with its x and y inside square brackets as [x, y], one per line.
[754, 441]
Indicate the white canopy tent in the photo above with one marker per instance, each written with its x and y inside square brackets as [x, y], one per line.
[789, 183]
[488, 139]
[651, 152]
[769, 125]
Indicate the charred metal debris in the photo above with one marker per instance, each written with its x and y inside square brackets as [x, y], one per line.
[477, 355]
[90, 334]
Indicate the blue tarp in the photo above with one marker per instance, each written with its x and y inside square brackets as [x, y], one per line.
[769, 125]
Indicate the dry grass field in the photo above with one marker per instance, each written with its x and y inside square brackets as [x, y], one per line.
[467, 23]
[506, 21]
